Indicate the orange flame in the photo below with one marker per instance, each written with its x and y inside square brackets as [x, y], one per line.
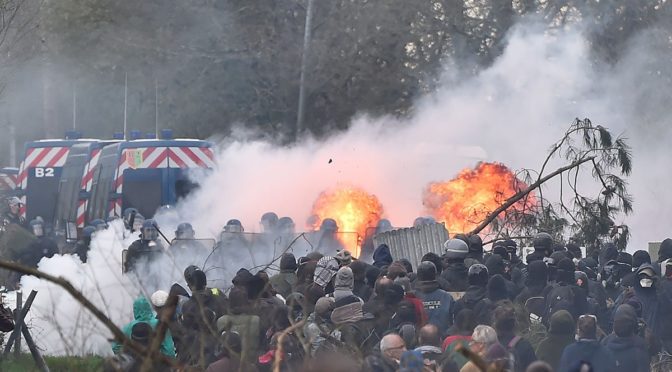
[353, 209]
[466, 200]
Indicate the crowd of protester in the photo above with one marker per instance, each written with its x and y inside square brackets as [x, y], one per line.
[464, 311]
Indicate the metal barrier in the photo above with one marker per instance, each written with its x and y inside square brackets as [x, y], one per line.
[414, 242]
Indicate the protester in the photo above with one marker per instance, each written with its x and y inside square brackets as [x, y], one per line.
[587, 351]
[142, 312]
[438, 303]
[560, 334]
[483, 338]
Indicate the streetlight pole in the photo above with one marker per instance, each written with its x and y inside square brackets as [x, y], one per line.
[302, 79]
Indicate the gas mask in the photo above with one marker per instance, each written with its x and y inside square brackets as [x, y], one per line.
[646, 282]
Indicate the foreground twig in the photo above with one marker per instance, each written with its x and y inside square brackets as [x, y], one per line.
[116, 332]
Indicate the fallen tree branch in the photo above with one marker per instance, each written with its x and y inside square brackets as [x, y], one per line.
[521, 194]
[119, 336]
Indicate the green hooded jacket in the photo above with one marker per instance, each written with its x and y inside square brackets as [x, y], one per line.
[142, 312]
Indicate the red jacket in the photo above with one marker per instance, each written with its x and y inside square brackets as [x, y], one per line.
[420, 313]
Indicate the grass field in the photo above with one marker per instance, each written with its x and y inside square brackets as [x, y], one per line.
[56, 364]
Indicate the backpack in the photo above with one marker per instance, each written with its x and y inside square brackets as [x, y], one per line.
[559, 298]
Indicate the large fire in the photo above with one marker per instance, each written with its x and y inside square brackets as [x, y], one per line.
[466, 200]
[353, 209]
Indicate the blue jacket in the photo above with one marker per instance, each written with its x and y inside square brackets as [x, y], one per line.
[590, 351]
[631, 353]
[438, 304]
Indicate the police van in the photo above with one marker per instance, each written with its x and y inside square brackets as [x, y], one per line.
[146, 175]
[75, 187]
[40, 174]
[8, 177]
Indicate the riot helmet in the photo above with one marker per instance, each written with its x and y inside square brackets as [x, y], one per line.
[99, 224]
[286, 225]
[234, 226]
[423, 221]
[329, 225]
[269, 221]
[37, 227]
[543, 242]
[383, 226]
[14, 204]
[185, 231]
[149, 231]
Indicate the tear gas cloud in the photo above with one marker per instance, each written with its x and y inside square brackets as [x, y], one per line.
[511, 112]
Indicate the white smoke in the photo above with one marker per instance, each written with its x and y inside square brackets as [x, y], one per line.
[510, 112]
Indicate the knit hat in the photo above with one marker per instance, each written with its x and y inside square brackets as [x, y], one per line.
[288, 262]
[562, 323]
[495, 264]
[456, 249]
[159, 298]
[497, 288]
[501, 251]
[435, 259]
[358, 269]
[588, 266]
[565, 272]
[326, 268]
[475, 244]
[324, 305]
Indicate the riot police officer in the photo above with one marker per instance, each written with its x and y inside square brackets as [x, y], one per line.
[84, 244]
[147, 247]
[13, 215]
[41, 247]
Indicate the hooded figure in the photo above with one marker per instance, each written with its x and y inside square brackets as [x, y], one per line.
[285, 281]
[475, 254]
[664, 252]
[536, 282]
[560, 334]
[586, 351]
[344, 283]
[360, 289]
[476, 292]
[646, 283]
[438, 303]
[630, 350]
[455, 272]
[497, 266]
[240, 320]
[142, 312]
[382, 256]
